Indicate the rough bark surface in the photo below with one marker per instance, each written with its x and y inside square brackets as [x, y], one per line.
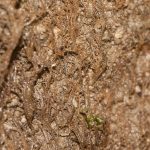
[74, 74]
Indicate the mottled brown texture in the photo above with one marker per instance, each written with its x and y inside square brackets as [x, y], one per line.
[74, 74]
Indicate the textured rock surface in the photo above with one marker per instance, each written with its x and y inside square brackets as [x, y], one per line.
[74, 74]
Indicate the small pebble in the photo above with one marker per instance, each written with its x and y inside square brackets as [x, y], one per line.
[106, 37]
[23, 119]
[74, 102]
[137, 89]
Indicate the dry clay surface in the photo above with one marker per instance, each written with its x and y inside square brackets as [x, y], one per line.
[74, 75]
